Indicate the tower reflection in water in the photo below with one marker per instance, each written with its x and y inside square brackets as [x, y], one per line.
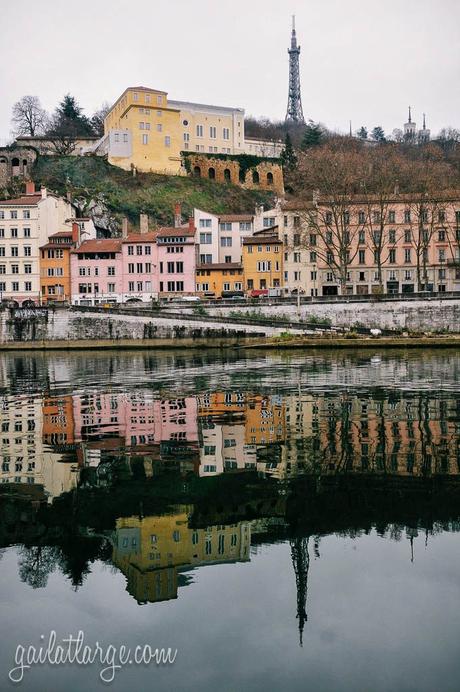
[160, 486]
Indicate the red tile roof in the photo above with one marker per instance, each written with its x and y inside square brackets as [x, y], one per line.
[61, 234]
[100, 245]
[236, 217]
[182, 231]
[25, 200]
[222, 265]
[260, 240]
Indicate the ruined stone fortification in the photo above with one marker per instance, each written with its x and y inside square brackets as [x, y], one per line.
[249, 172]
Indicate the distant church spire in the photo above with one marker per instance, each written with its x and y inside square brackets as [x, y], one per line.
[424, 124]
[294, 111]
[410, 119]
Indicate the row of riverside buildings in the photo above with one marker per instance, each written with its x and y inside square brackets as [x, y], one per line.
[316, 247]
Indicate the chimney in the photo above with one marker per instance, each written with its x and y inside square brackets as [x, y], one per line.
[68, 195]
[144, 223]
[75, 233]
[177, 215]
[30, 187]
[44, 193]
[124, 227]
[191, 224]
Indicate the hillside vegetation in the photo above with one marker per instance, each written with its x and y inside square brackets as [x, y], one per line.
[91, 178]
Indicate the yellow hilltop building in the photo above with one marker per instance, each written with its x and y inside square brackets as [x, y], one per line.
[147, 131]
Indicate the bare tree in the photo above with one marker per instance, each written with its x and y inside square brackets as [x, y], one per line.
[329, 229]
[29, 118]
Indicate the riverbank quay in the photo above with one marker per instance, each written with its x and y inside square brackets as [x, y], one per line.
[284, 342]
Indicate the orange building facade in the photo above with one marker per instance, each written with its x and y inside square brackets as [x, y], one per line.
[55, 266]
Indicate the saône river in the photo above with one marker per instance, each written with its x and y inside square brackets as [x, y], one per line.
[285, 521]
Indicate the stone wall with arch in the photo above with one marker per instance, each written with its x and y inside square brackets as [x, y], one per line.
[16, 162]
[266, 175]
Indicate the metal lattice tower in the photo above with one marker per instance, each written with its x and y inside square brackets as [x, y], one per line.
[294, 111]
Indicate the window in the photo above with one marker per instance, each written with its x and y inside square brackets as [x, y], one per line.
[245, 225]
[441, 215]
[15, 286]
[26, 214]
[441, 235]
[392, 236]
[27, 251]
[111, 271]
[14, 232]
[376, 216]
[226, 287]
[361, 256]
[141, 126]
[26, 232]
[442, 255]
[145, 139]
[264, 266]
[392, 216]
[313, 257]
[2, 269]
[226, 133]
[131, 268]
[392, 256]
[225, 226]
[213, 132]
[205, 238]
[407, 236]
[205, 223]
[407, 255]
[14, 215]
[167, 141]
[28, 285]
[15, 268]
[205, 259]
[225, 242]
[138, 249]
[312, 239]
[269, 221]
[361, 217]
[199, 130]
[130, 249]
[407, 275]
[346, 217]
[407, 216]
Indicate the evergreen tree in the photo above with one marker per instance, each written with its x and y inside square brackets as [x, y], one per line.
[362, 132]
[288, 157]
[313, 135]
[378, 135]
[69, 120]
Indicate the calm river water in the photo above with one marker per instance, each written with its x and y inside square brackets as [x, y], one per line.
[283, 521]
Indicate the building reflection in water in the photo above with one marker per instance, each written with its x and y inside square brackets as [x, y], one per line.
[156, 552]
[47, 441]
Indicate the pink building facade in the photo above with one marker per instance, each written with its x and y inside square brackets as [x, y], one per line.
[140, 267]
[96, 272]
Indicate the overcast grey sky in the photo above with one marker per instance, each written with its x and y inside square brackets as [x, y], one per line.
[363, 60]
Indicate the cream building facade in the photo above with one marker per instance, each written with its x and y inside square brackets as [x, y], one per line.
[25, 224]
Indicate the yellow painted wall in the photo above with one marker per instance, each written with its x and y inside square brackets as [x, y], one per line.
[217, 278]
[150, 107]
[264, 250]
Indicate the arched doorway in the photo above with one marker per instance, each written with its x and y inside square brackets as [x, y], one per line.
[269, 178]
[255, 177]
[242, 176]
[227, 175]
[197, 172]
[212, 173]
